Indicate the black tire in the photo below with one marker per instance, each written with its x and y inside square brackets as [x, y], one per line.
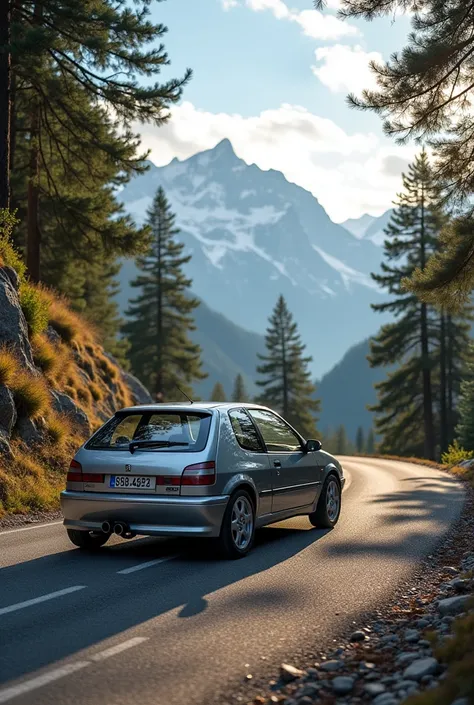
[328, 508]
[240, 505]
[87, 539]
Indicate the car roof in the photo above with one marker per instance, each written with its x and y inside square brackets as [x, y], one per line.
[195, 406]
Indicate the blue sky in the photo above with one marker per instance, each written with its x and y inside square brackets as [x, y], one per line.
[272, 76]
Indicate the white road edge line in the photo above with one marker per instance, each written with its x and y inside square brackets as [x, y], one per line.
[66, 670]
[30, 528]
[118, 648]
[22, 688]
[148, 564]
[42, 598]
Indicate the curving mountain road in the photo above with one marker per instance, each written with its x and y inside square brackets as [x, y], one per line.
[157, 622]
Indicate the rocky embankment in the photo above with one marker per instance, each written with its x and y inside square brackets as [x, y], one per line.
[420, 648]
[57, 385]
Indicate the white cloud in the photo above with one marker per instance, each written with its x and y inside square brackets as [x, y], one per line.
[350, 174]
[278, 7]
[314, 24]
[345, 69]
[322, 26]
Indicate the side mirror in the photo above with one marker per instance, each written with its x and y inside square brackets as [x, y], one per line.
[312, 446]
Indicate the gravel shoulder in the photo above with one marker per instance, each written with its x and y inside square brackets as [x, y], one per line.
[393, 653]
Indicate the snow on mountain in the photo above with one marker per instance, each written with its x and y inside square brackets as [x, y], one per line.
[358, 226]
[253, 235]
[369, 227]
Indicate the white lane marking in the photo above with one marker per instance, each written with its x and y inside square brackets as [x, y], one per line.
[30, 528]
[148, 564]
[22, 688]
[46, 678]
[42, 598]
[118, 648]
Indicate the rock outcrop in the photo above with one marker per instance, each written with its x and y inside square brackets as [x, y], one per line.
[79, 381]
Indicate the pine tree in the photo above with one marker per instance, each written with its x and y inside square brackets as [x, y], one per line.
[5, 102]
[160, 317]
[465, 427]
[341, 441]
[284, 375]
[239, 392]
[218, 393]
[424, 92]
[76, 70]
[370, 447]
[406, 396]
[360, 440]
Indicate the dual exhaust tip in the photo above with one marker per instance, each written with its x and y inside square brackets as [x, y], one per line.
[119, 528]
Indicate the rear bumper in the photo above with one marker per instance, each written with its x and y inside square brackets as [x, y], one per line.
[149, 516]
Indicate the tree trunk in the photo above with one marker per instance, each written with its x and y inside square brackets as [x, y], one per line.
[5, 104]
[429, 443]
[444, 431]
[33, 244]
[33, 238]
[159, 317]
[450, 380]
[285, 370]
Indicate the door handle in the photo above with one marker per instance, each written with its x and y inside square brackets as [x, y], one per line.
[277, 463]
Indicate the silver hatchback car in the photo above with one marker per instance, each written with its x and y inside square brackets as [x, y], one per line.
[214, 470]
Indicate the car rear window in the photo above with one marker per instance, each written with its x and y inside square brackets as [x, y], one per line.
[189, 430]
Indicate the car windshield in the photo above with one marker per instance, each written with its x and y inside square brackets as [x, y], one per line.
[154, 430]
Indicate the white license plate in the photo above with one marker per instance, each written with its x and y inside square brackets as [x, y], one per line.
[132, 482]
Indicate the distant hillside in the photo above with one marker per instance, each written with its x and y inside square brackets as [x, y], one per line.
[227, 351]
[346, 391]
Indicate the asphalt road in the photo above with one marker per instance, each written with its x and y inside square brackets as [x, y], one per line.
[159, 622]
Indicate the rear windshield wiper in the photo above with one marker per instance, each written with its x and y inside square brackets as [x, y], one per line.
[136, 445]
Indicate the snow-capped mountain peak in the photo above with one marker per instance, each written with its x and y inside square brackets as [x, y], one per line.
[253, 235]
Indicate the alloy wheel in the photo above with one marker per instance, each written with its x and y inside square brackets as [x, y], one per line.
[242, 523]
[333, 500]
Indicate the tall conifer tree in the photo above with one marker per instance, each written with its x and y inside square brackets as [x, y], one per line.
[360, 440]
[465, 427]
[406, 396]
[218, 392]
[285, 378]
[425, 91]
[160, 317]
[239, 392]
[77, 68]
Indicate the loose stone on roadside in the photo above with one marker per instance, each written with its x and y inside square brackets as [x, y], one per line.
[342, 685]
[453, 605]
[421, 667]
[331, 665]
[290, 673]
[358, 635]
[374, 689]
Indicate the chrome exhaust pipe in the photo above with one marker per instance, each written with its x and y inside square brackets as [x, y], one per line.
[119, 529]
[106, 528]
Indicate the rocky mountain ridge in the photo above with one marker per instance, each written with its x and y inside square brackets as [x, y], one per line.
[253, 235]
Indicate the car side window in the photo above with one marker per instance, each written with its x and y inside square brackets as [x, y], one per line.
[277, 435]
[245, 432]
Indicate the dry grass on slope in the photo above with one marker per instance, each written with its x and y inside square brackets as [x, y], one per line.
[67, 352]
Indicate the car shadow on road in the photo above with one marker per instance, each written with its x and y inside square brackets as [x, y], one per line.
[41, 635]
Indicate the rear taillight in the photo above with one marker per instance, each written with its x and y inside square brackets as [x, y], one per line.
[75, 474]
[161, 480]
[199, 474]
